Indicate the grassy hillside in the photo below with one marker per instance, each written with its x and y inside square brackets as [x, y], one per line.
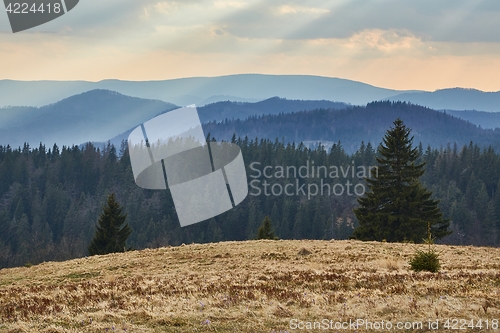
[253, 286]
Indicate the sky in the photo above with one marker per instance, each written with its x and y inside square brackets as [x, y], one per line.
[398, 44]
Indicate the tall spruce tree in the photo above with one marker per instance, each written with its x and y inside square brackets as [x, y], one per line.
[397, 207]
[110, 233]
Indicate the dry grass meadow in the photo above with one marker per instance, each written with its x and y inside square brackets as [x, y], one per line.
[253, 286]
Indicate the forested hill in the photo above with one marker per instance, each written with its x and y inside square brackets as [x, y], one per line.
[220, 111]
[242, 110]
[95, 115]
[480, 118]
[356, 124]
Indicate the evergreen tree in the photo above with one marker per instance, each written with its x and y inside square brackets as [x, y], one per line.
[496, 205]
[110, 236]
[265, 231]
[397, 207]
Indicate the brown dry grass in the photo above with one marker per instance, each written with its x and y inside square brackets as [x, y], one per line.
[254, 286]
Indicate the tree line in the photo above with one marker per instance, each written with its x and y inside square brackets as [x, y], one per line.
[51, 198]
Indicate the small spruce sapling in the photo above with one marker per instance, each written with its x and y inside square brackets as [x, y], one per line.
[265, 230]
[426, 260]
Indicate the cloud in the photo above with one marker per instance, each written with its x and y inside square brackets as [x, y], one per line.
[446, 20]
[294, 9]
[383, 40]
[221, 4]
[357, 39]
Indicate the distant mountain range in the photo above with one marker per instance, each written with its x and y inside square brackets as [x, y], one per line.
[101, 115]
[453, 99]
[246, 88]
[92, 116]
[200, 90]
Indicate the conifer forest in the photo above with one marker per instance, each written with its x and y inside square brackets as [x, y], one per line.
[51, 197]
